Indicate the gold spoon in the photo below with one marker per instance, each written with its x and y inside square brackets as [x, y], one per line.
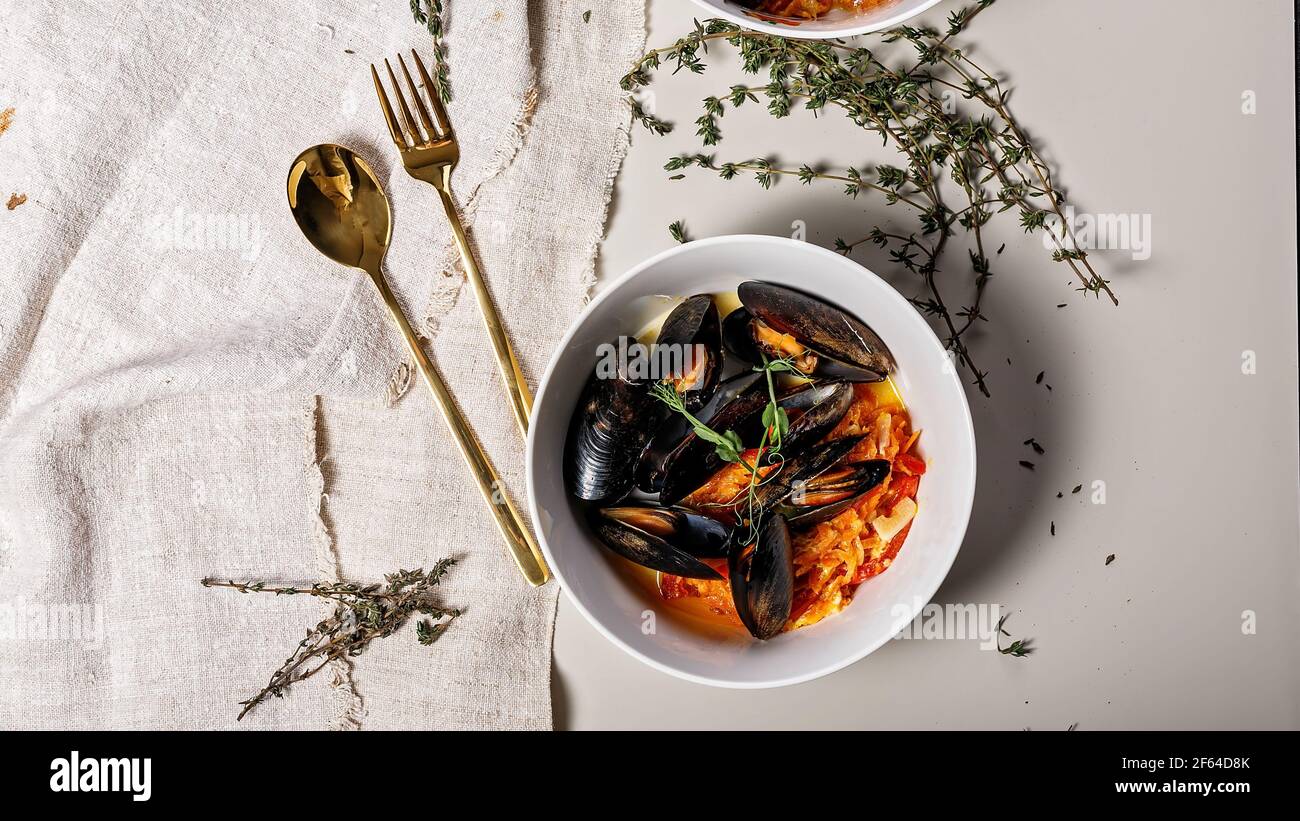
[343, 211]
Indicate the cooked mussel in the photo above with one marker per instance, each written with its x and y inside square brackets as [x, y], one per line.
[675, 429]
[797, 472]
[816, 336]
[689, 350]
[833, 491]
[615, 418]
[762, 578]
[665, 539]
[814, 411]
[694, 460]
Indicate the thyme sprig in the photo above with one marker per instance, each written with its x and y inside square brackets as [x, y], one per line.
[428, 13]
[361, 615]
[983, 155]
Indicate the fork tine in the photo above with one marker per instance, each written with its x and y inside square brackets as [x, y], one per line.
[411, 127]
[419, 103]
[393, 128]
[444, 124]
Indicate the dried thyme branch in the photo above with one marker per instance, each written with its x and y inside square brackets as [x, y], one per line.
[984, 155]
[361, 614]
[431, 19]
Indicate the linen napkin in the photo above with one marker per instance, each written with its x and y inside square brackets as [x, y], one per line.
[188, 389]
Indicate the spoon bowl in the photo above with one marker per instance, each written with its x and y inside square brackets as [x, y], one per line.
[340, 206]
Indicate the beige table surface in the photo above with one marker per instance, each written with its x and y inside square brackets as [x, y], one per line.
[1140, 106]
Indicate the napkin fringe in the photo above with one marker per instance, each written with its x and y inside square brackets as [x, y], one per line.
[347, 699]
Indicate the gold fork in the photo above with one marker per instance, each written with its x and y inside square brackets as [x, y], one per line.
[430, 157]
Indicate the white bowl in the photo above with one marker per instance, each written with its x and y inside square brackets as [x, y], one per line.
[630, 615]
[840, 24]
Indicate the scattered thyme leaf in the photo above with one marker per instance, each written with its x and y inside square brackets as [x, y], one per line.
[677, 231]
[1027, 465]
[1018, 648]
[1038, 380]
[586, 16]
[1077, 488]
[1110, 559]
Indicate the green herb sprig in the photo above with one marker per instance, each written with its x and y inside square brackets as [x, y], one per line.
[1018, 648]
[428, 13]
[728, 445]
[982, 154]
[361, 615]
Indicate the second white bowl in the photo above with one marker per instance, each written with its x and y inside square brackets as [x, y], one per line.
[840, 24]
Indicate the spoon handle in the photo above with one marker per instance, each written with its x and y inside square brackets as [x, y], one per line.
[521, 399]
[520, 541]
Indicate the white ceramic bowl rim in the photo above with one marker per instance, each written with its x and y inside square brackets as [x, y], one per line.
[913, 608]
[907, 9]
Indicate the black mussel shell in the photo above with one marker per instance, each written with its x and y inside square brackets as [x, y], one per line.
[854, 350]
[814, 411]
[833, 492]
[801, 469]
[693, 461]
[737, 337]
[618, 530]
[691, 340]
[670, 434]
[762, 578]
[684, 529]
[615, 418]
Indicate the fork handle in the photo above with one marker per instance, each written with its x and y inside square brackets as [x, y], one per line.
[518, 539]
[521, 399]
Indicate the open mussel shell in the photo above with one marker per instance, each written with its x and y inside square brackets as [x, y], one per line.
[762, 578]
[832, 492]
[689, 347]
[738, 337]
[684, 529]
[846, 348]
[615, 418]
[662, 539]
[813, 410]
[796, 473]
